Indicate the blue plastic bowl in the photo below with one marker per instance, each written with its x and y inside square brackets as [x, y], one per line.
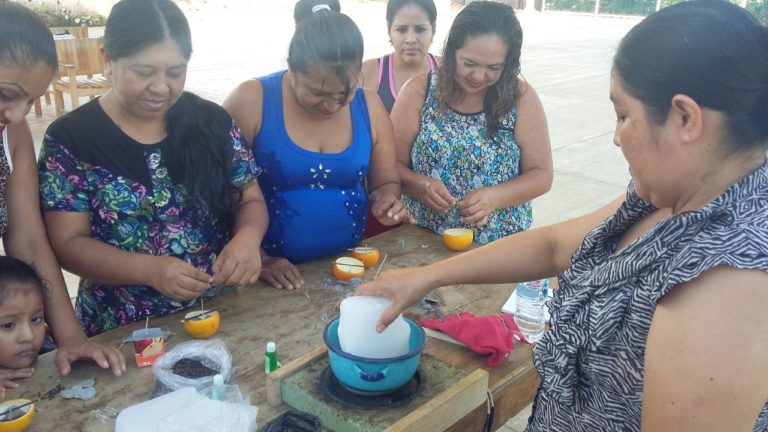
[374, 375]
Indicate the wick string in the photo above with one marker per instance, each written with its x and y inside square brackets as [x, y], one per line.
[380, 266]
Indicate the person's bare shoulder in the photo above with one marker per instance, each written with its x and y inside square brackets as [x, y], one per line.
[706, 353]
[371, 73]
[414, 87]
[244, 104]
[526, 96]
[375, 107]
[246, 93]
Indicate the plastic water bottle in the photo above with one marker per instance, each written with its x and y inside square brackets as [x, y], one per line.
[529, 315]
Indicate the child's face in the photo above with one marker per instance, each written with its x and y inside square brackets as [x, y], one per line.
[22, 327]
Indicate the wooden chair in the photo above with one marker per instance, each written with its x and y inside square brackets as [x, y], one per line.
[81, 71]
[79, 32]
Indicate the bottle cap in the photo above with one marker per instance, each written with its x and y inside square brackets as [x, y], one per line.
[271, 347]
[218, 380]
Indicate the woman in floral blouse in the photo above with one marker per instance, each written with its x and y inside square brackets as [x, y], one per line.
[149, 193]
[472, 141]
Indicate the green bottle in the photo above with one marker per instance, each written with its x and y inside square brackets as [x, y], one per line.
[270, 358]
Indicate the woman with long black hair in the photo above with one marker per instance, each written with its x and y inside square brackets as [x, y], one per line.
[148, 192]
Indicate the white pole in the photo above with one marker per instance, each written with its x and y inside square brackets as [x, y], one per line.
[597, 7]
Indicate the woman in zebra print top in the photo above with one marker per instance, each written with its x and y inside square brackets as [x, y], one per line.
[660, 321]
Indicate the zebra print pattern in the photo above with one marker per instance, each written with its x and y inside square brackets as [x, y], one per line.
[591, 360]
[5, 172]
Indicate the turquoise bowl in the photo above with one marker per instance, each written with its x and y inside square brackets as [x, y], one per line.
[374, 375]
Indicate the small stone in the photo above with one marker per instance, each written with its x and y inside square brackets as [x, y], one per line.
[83, 390]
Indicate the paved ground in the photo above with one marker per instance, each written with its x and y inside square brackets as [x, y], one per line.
[566, 58]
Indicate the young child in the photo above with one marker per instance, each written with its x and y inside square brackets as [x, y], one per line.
[22, 323]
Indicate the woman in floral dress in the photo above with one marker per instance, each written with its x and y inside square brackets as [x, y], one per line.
[148, 192]
[472, 142]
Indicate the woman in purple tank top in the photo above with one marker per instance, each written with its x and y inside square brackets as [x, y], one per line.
[411, 28]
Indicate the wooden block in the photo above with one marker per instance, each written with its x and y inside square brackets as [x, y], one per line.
[274, 397]
[442, 336]
[452, 404]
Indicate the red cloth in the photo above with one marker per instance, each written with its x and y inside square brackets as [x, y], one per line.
[489, 335]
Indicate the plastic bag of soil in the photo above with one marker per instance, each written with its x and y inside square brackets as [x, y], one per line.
[191, 364]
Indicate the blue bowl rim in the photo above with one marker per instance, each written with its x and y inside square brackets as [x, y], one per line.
[414, 352]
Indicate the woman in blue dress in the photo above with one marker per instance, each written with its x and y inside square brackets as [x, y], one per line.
[472, 142]
[318, 137]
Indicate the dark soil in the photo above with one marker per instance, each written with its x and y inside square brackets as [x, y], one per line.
[187, 368]
[50, 394]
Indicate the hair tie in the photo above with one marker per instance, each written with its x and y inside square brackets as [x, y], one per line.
[317, 8]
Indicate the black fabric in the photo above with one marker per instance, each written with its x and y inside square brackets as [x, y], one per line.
[206, 119]
[294, 421]
[92, 137]
[384, 91]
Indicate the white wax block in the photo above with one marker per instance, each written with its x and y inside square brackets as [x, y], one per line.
[357, 329]
[188, 411]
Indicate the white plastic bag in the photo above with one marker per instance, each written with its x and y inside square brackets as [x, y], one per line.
[186, 410]
[211, 353]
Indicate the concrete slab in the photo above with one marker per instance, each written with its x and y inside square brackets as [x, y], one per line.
[571, 196]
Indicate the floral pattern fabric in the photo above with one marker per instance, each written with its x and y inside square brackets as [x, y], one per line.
[153, 219]
[454, 148]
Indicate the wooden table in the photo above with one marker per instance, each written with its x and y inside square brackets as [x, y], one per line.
[251, 316]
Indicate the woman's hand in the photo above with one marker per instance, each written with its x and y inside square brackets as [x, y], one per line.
[477, 205]
[82, 348]
[177, 279]
[388, 209]
[8, 377]
[436, 195]
[281, 273]
[239, 263]
[403, 287]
